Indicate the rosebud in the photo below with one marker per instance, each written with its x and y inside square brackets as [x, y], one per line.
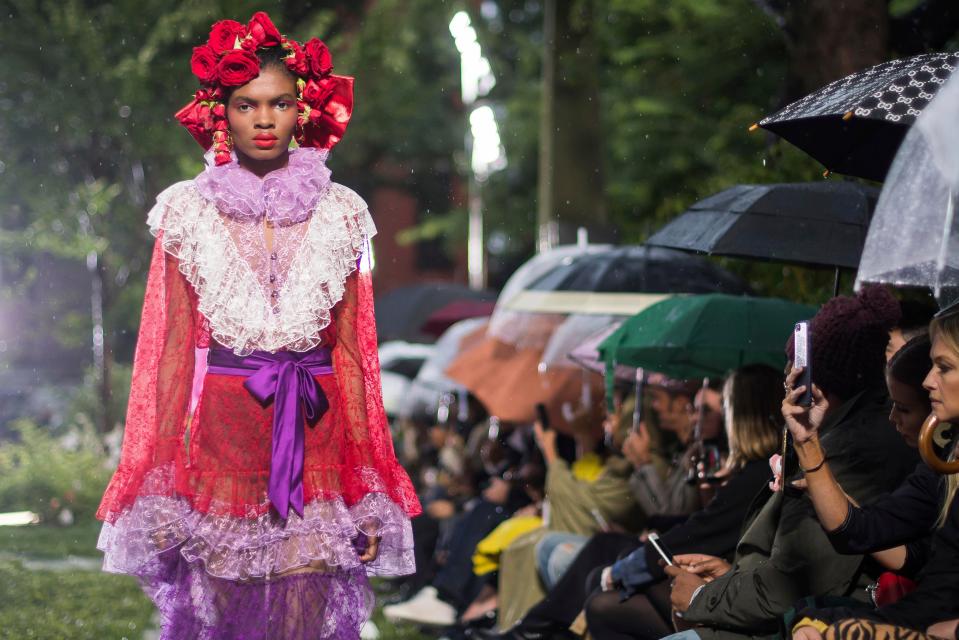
[219, 110]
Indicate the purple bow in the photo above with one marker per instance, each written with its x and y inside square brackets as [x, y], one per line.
[285, 379]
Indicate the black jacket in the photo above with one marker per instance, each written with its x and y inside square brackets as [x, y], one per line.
[906, 516]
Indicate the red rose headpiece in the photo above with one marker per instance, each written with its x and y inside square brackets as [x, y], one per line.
[228, 59]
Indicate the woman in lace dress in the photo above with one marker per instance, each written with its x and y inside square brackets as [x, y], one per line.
[257, 488]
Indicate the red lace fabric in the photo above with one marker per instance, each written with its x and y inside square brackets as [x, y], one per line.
[220, 456]
[160, 387]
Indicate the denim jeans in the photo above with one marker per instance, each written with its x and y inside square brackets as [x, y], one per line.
[554, 553]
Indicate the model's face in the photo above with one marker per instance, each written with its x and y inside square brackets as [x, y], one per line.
[262, 116]
[909, 410]
[942, 383]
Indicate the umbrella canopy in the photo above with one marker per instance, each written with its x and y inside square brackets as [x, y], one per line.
[854, 125]
[445, 317]
[587, 355]
[811, 223]
[423, 396]
[598, 280]
[914, 237]
[401, 313]
[575, 330]
[507, 380]
[705, 335]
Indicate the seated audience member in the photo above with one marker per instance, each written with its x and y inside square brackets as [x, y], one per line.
[629, 605]
[913, 322]
[783, 554]
[572, 506]
[750, 398]
[924, 501]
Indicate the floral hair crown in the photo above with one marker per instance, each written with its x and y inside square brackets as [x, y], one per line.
[324, 101]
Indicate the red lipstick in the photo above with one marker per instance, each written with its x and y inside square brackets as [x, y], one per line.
[264, 140]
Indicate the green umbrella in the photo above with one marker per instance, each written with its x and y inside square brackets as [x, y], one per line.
[701, 336]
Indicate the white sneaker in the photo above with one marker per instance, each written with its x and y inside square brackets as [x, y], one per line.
[369, 631]
[423, 608]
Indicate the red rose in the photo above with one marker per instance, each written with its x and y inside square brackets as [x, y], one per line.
[296, 59]
[222, 157]
[203, 64]
[193, 117]
[237, 68]
[219, 110]
[223, 35]
[321, 62]
[316, 92]
[263, 31]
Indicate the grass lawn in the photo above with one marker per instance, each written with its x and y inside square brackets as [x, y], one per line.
[78, 604]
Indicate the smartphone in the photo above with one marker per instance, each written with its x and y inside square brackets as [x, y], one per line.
[542, 414]
[600, 520]
[660, 547]
[802, 341]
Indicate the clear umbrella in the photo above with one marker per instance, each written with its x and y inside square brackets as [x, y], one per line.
[423, 395]
[914, 236]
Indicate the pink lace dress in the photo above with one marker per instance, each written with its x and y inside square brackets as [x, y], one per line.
[189, 509]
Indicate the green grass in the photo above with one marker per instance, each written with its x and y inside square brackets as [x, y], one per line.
[79, 604]
[70, 604]
[48, 542]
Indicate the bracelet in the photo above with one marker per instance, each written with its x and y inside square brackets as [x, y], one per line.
[817, 467]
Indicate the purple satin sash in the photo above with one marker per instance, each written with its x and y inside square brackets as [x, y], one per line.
[286, 379]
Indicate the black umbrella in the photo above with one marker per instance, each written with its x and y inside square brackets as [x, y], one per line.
[854, 125]
[809, 223]
[401, 313]
[637, 269]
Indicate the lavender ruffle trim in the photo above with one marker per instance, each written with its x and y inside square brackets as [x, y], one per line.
[194, 605]
[237, 548]
[284, 196]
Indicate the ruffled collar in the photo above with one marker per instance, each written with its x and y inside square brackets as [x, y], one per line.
[284, 196]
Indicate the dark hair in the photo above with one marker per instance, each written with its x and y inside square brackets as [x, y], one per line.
[849, 336]
[911, 364]
[916, 315]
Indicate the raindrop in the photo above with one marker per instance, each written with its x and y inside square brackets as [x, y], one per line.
[125, 111]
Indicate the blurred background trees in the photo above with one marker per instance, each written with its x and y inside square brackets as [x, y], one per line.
[88, 89]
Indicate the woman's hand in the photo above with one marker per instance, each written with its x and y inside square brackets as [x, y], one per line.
[803, 422]
[683, 584]
[946, 630]
[546, 441]
[372, 549]
[707, 567]
[636, 447]
[806, 633]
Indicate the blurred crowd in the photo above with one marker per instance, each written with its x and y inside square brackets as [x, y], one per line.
[707, 508]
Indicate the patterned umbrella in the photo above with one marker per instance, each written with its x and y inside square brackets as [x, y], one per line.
[855, 124]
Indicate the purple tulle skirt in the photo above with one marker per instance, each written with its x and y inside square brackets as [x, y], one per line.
[232, 578]
[194, 605]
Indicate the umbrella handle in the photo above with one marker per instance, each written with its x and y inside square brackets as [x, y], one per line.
[927, 449]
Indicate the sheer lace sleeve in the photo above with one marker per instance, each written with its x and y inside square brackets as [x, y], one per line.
[159, 390]
[357, 367]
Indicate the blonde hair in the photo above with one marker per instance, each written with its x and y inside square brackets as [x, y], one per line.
[946, 328]
[751, 399]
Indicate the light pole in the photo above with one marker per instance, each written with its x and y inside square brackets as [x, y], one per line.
[483, 144]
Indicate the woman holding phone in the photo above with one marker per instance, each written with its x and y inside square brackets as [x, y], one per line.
[924, 502]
